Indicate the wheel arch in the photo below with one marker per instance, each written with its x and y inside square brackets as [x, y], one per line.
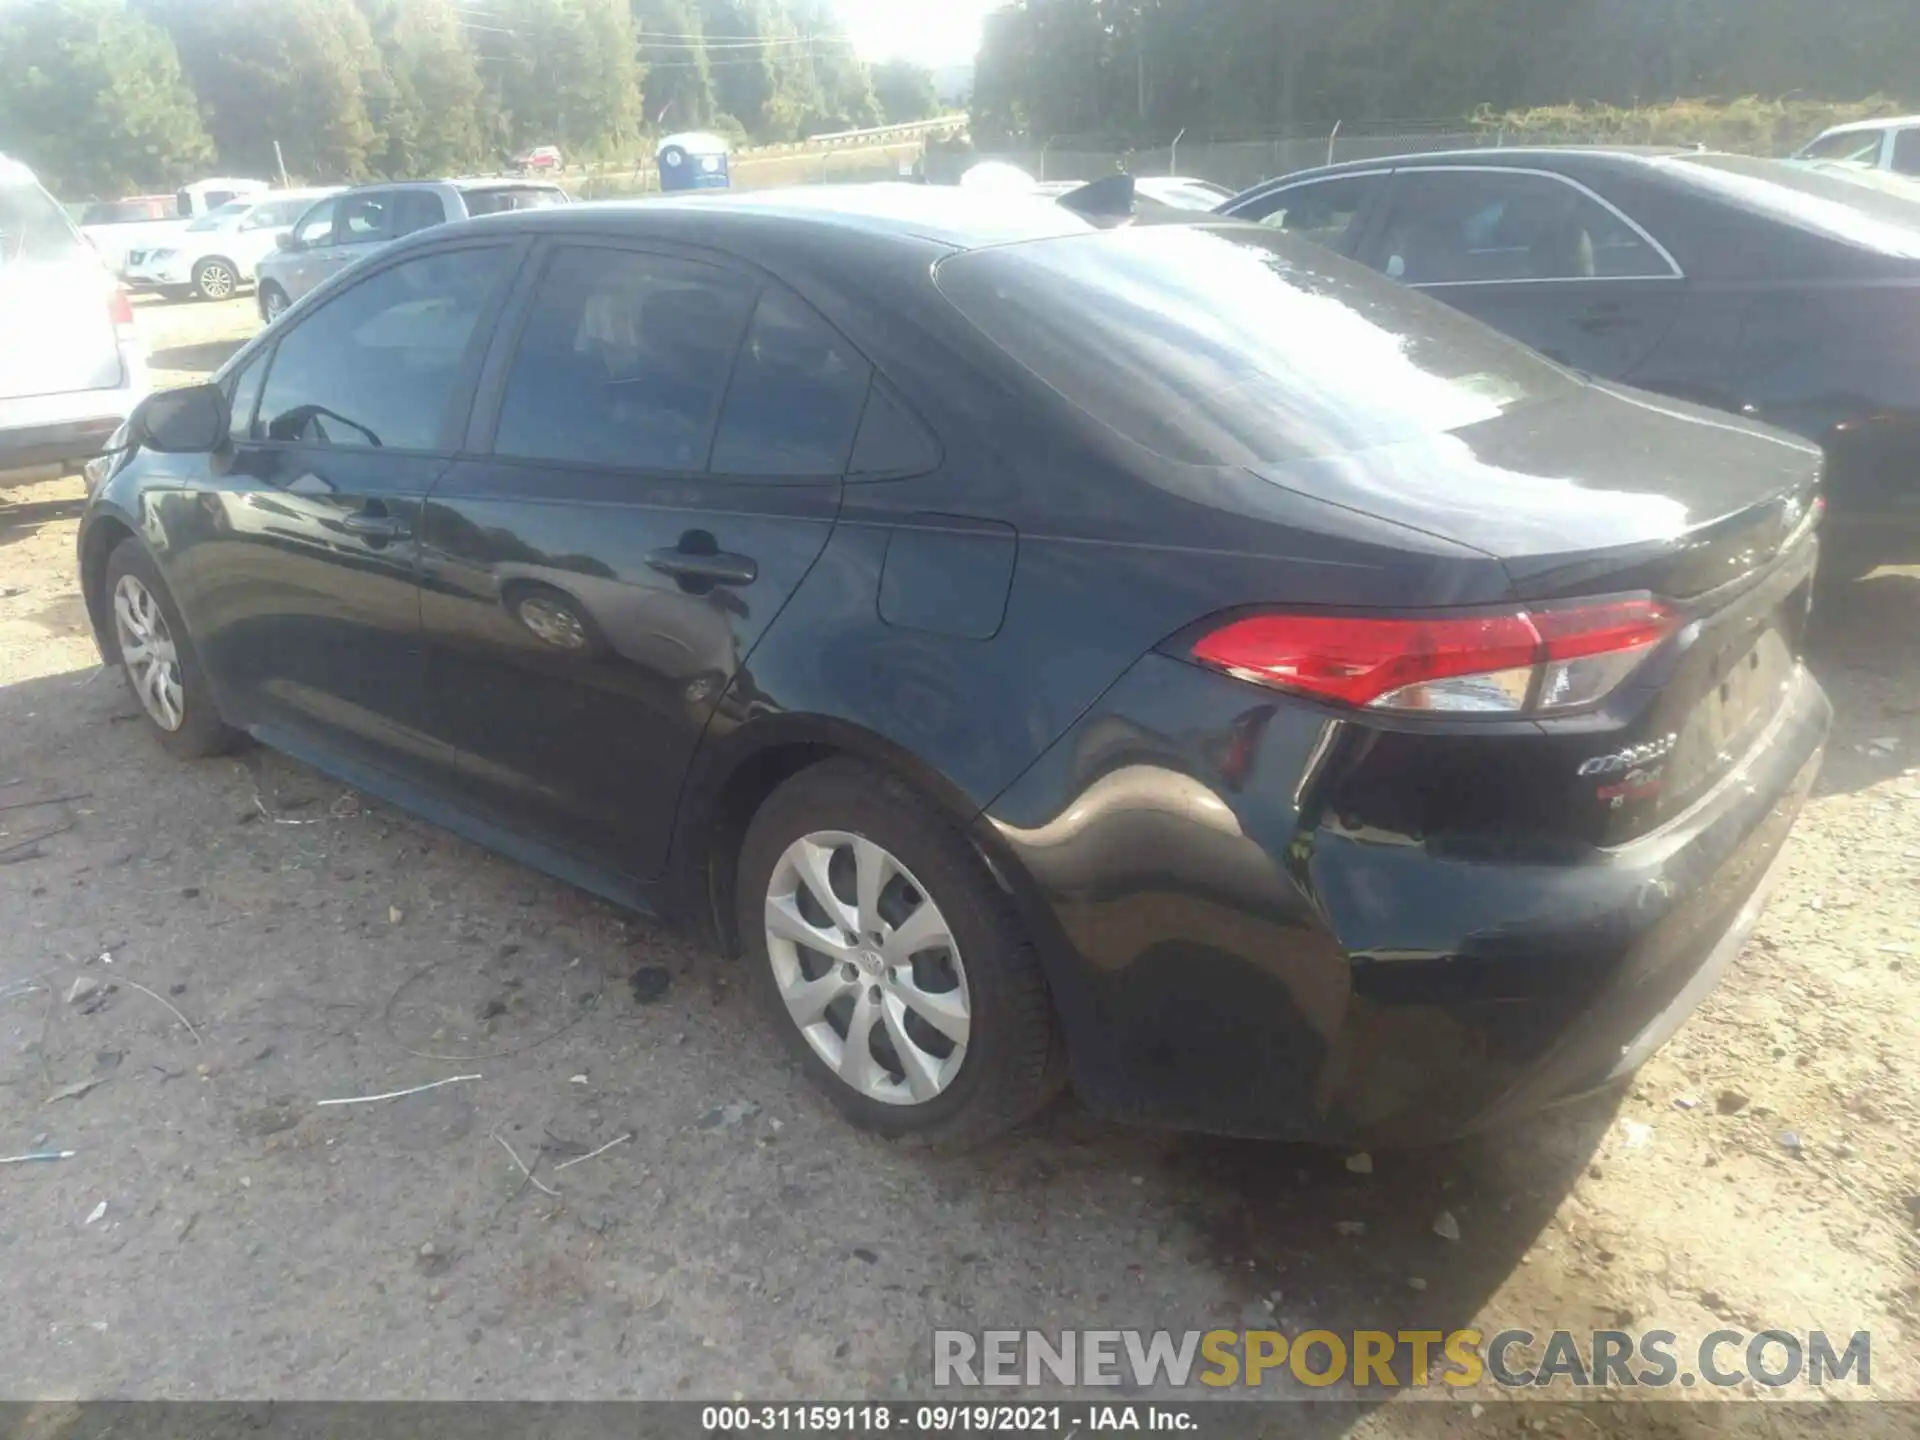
[101, 538]
[738, 771]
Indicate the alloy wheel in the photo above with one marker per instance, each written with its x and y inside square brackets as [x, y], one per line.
[867, 967]
[274, 302]
[553, 622]
[216, 281]
[148, 652]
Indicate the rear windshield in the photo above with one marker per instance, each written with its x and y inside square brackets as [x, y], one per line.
[33, 227]
[1867, 209]
[1233, 345]
[517, 197]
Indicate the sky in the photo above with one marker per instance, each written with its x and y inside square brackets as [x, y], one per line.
[930, 32]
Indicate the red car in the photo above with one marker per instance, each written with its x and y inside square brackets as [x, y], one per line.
[541, 157]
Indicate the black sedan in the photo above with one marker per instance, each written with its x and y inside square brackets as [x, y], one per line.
[1168, 655]
[1774, 289]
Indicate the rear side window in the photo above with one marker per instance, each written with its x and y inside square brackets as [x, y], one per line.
[1231, 345]
[515, 197]
[795, 398]
[624, 360]
[416, 210]
[1456, 226]
[33, 227]
[377, 363]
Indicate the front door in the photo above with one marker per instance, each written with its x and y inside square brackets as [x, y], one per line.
[303, 584]
[1533, 255]
[363, 221]
[658, 462]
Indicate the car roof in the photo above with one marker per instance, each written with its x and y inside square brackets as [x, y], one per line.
[945, 214]
[1852, 127]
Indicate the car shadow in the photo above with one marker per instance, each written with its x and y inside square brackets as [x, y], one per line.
[1864, 646]
[20, 519]
[204, 356]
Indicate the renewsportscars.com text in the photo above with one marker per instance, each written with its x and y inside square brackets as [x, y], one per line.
[1515, 1359]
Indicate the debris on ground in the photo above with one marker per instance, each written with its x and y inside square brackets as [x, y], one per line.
[37, 1155]
[396, 1094]
[1791, 1142]
[591, 1153]
[1686, 1102]
[726, 1117]
[1350, 1227]
[1445, 1226]
[83, 987]
[650, 984]
[1361, 1164]
[76, 1089]
[1637, 1133]
[1414, 1282]
[96, 1214]
[1730, 1102]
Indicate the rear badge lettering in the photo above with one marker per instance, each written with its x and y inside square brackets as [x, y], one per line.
[1632, 758]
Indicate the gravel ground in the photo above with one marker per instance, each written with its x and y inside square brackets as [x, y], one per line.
[261, 941]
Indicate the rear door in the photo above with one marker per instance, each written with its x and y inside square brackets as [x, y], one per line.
[302, 589]
[1534, 254]
[656, 463]
[56, 331]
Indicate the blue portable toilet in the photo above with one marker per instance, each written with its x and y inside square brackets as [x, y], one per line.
[693, 161]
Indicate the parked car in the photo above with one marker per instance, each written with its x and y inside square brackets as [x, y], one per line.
[214, 257]
[1167, 651]
[1773, 289]
[540, 159]
[1879, 144]
[117, 228]
[71, 366]
[350, 225]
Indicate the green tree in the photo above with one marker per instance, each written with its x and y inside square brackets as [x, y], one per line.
[570, 75]
[93, 98]
[905, 91]
[679, 84]
[425, 105]
[292, 71]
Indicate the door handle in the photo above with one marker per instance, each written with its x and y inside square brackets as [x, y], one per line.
[369, 526]
[716, 567]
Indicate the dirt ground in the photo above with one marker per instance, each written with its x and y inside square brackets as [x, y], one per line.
[262, 941]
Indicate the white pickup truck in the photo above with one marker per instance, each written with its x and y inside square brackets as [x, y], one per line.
[144, 222]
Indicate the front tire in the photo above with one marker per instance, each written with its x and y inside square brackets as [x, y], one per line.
[216, 278]
[893, 967]
[157, 658]
[273, 302]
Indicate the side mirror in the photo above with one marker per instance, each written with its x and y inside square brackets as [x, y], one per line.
[189, 421]
[287, 240]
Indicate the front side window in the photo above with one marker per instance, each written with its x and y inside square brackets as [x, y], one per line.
[795, 398]
[1324, 212]
[376, 365]
[316, 223]
[1455, 226]
[364, 218]
[1860, 146]
[623, 361]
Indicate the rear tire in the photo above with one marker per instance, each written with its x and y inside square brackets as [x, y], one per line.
[157, 658]
[880, 1022]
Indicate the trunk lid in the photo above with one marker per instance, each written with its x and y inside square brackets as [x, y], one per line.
[1592, 494]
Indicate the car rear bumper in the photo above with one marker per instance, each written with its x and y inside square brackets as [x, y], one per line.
[1224, 959]
[64, 443]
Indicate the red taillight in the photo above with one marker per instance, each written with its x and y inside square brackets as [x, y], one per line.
[1519, 662]
[119, 307]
